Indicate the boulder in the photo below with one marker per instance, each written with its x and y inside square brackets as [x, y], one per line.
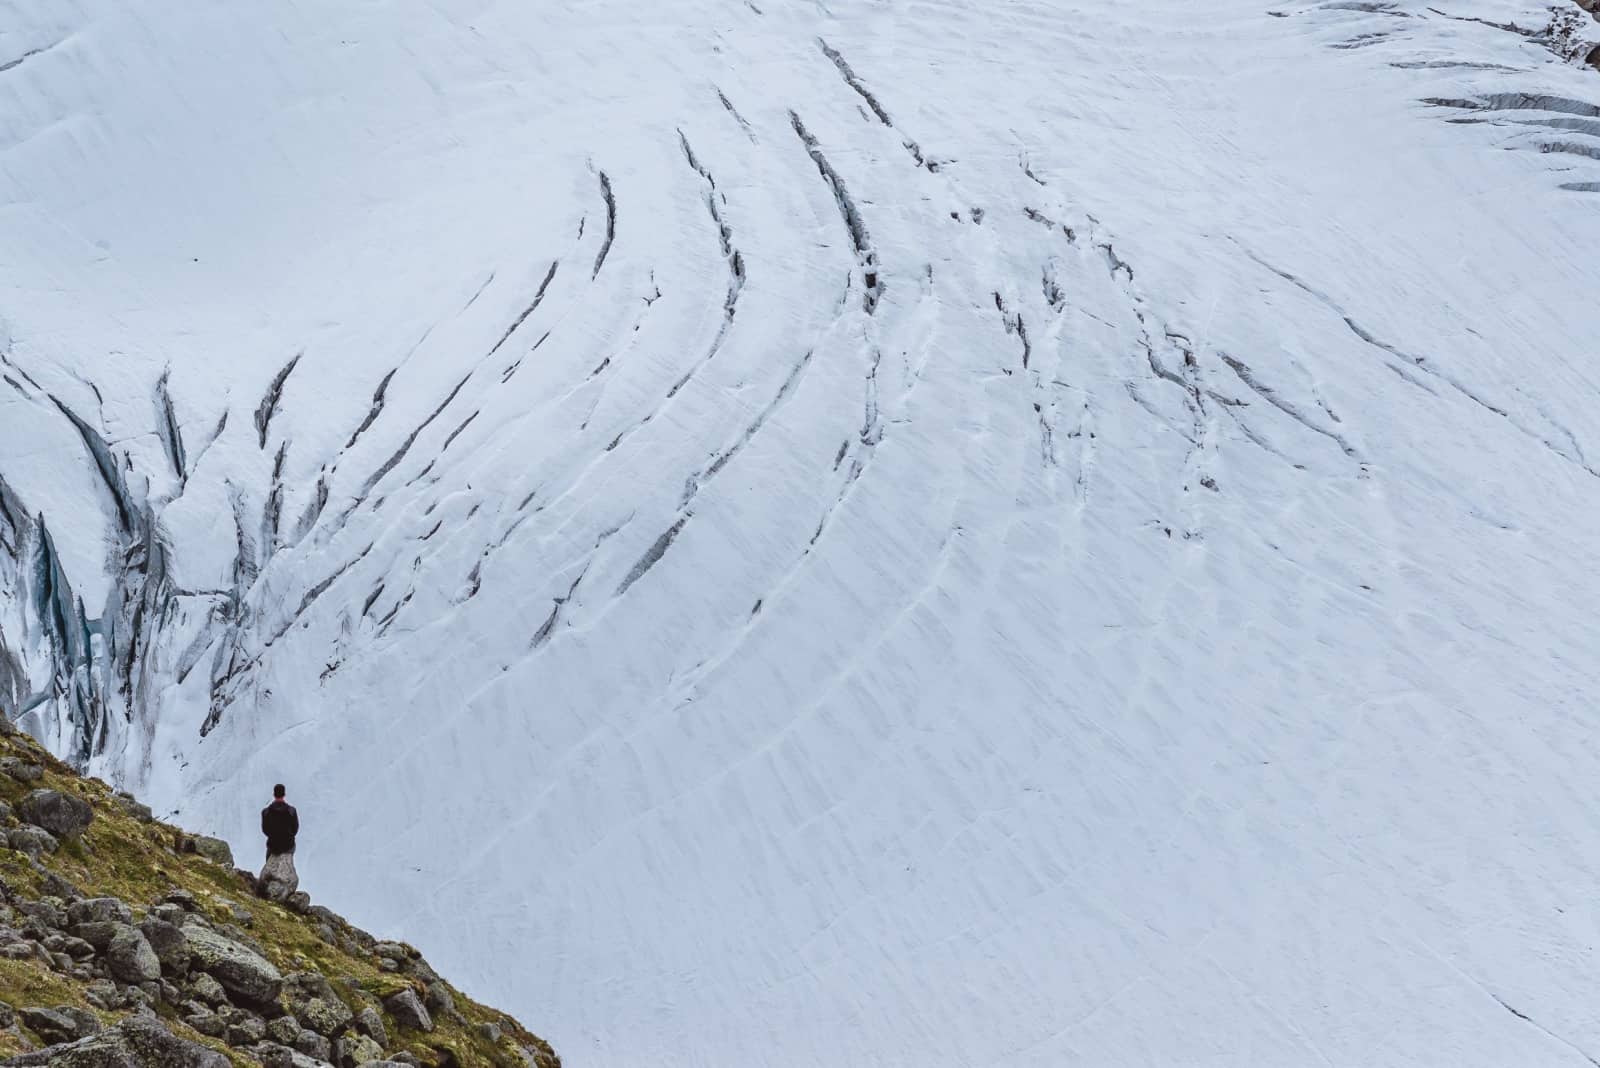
[170, 944]
[99, 933]
[370, 1023]
[134, 808]
[304, 985]
[137, 1042]
[76, 948]
[46, 910]
[208, 989]
[56, 886]
[215, 850]
[87, 1022]
[97, 909]
[439, 1000]
[131, 957]
[51, 1025]
[278, 878]
[326, 1016]
[299, 901]
[242, 972]
[408, 1011]
[314, 1045]
[181, 898]
[34, 841]
[277, 1056]
[8, 1015]
[246, 1030]
[356, 1049]
[167, 913]
[103, 994]
[21, 770]
[284, 1030]
[61, 814]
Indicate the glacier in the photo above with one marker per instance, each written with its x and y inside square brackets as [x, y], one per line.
[1036, 533]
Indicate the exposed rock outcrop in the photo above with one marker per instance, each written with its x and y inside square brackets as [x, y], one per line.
[149, 951]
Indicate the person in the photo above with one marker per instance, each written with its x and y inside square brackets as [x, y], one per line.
[280, 823]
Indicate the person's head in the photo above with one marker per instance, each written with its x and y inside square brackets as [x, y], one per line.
[278, 791]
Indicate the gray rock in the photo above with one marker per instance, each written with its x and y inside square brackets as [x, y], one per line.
[284, 1030]
[278, 878]
[34, 841]
[326, 1016]
[356, 1049]
[137, 1042]
[208, 1024]
[182, 898]
[97, 909]
[21, 770]
[170, 944]
[314, 1045]
[370, 1023]
[61, 814]
[167, 913]
[50, 1025]
[103, 994]
[299, 901]
[394, 950]
[87, 1023]
[420, 968]
[46, 910]
[302, 986]
[76, 948]
[277, 1056]
[246, 1031]
[408, 1011]
[56, 886]
[134, 808]
[8, 1015]
[99, 933]
[489, 1032]
[384, 1064]
[242, 972]
[439, 1000]
[131, 957]
[214, 850]
[208, 989]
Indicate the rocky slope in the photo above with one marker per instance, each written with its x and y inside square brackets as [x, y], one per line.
[125, 941]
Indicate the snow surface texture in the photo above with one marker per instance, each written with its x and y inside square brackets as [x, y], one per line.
[868, 533]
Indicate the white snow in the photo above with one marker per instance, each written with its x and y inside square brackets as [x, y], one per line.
[1129, 601]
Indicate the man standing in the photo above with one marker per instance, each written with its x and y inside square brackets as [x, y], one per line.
[280, 823]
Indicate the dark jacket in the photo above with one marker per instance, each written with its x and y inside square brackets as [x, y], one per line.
[280, 823]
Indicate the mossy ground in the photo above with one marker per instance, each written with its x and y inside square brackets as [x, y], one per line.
[124, 856]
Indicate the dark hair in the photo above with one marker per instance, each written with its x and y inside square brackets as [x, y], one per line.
[278, 791]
